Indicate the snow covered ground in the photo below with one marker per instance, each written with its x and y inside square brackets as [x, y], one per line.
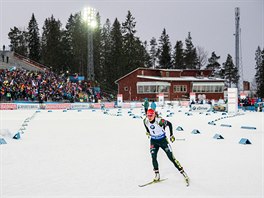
[91, 154]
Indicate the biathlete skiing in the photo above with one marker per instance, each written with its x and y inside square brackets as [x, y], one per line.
[155, 127]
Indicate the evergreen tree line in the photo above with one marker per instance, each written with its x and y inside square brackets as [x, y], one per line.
[259, 76]
[116, 49]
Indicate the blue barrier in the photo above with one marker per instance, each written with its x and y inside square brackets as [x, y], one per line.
[17, 136]
[2, 141]
[226, 125]
[244, 141]
[211, 123]
[49, 110]
[64, 110]
[248, 127]
[218, 136]
[136, 116]
[179, 128]
[196, 131]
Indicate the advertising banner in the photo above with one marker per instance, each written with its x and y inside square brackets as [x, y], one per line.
[232, 105]
[161, 99]
[27, 106]
[8, 106]
[119, 100]
[80, 106]
[95, 105]
[200, 107]
[58, 106]
[192, 97]
[109, 105]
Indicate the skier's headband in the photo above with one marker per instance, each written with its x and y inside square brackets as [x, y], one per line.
[150, 112]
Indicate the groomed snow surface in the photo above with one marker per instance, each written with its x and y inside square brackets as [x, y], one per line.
[90, 153]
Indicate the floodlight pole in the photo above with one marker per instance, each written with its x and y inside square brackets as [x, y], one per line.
[90, 61]
[89, 16]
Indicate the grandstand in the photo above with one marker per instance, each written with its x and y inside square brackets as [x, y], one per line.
[10, 59]
[22, 79]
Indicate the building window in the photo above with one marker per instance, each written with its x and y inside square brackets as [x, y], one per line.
[146, 89]
[163, 89]
[153, 89]
[149, 88]
[167, 74]
[179, 88]
[140, 89]
[126, 88]
[208, 88]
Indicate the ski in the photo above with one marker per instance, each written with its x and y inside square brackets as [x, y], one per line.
[187, 180]
[152, 182]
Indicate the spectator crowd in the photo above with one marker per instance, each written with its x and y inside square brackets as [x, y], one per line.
[23, 85]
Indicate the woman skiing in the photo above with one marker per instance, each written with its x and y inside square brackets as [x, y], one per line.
[155, 127]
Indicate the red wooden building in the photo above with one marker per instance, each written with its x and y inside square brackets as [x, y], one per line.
[175, 84]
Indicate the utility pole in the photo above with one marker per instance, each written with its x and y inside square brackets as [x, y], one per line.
[238, 58]
[89, 16]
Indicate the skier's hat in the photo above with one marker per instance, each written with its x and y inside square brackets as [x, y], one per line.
[150, 112]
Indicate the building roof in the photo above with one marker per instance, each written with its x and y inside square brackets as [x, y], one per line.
[143, 68]
[183, 78]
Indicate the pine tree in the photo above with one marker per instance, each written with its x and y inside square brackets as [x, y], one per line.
[153, 52]
[178, 56]
[259, 76]
[33, 39]
[51, 44]
[76, 39]
[230, 71]
[190, 55]
[133, 47]
[164, 52]
[97, 42]
[110, 38]
[68, 61]
[213, 64]
[18, 41]
[201, 56]
[145, 55]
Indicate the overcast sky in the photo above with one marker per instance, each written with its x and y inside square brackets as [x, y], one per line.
[211, 23]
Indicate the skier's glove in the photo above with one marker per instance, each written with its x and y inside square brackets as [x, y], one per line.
[172, 138]
[148, 134]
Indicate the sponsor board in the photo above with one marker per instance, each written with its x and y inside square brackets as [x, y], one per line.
[95, 105]
[58, 106]
[80, 106]
[109, 105]
[200, 107]
[27, 106]
[184, 103]
[126, 105]
[8, 106]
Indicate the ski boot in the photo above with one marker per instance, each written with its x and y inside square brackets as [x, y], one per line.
[187, 180]
[157, 176]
